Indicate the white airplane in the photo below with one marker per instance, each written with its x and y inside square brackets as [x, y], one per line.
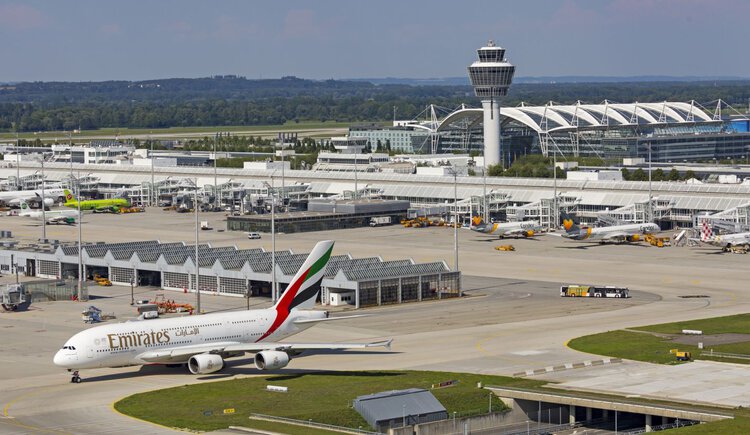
[725, 241]
[204, 341]
[52, 216]
[14, 197]
[615, 233]
[522, 228]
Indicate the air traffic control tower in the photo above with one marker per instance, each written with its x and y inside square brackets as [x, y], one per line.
[491, 77]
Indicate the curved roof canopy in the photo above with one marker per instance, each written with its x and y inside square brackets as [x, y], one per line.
[551, 117]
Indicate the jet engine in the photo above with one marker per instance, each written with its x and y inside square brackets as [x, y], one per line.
[205, 363]
[634, 238]
[271, 360]
[529, 233]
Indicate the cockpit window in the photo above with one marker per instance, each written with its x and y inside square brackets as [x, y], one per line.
[69, 347]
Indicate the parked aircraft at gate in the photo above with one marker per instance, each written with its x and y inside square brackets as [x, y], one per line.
[52, 216]
[113, 204]
[615, 233]
[14, 197]
[724, 241]
[522, 228]
[204, 341]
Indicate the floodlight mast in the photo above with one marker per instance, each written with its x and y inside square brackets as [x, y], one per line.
[491, 77]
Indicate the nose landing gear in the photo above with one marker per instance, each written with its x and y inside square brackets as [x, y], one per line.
[76, 378]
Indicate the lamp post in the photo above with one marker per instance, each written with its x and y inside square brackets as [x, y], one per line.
[271, 189]
[152, 196]
[80, 253]
[197, 264]
[18, 163]
[455, 218]
[217, 200]
[650, 201]
[132, 294]
[197, 230]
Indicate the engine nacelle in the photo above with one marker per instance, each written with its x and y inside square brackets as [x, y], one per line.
[205, 363]
[634, 238]
[529, 233]
[271, 360]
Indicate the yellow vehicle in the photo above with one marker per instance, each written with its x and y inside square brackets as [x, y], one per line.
[505, 248]
[681, 355]
[659, 242]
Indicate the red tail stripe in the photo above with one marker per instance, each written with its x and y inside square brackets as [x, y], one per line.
[282, 309]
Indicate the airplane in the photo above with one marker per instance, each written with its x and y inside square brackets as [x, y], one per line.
[204, 341]
[98, 205]
[725, 241]
[52, 216]
[523, 228]
[14, 198]
[616, 233]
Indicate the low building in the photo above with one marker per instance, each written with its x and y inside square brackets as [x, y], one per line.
[322, 214]
[392, 409]
[226, 270]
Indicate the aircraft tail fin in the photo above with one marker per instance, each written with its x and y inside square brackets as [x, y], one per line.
[69, 196]
[476, 221]
[569, 222]
[707, 233]
[305, 286]
[24, 207]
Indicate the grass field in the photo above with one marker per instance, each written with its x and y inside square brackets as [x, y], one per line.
[63, 136]
[321, 397]
[643, 346]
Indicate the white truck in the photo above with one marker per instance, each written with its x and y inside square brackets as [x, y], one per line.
[377, 221]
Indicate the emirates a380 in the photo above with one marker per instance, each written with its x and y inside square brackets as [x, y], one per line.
[204, 342]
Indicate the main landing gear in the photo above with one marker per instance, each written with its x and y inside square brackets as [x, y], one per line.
[76, 378]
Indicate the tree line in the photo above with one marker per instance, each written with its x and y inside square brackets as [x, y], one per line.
[230, 100]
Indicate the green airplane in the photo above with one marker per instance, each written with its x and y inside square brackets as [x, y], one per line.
[98, 205]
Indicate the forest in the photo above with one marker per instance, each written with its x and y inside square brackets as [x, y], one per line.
[236, 101]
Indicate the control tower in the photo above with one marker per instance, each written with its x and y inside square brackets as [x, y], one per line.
[491, 76]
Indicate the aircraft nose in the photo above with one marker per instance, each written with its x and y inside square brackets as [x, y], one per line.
[60, 359]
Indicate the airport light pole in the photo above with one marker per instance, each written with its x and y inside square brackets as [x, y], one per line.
[18, 163]
[650, 201]
[152, 195]
[44, 216]
[197, 264]
[80, 253]
[217, 200]
[271, 189]
[555, 209]
[455, 218]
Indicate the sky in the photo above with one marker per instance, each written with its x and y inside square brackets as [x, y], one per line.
[94, 40]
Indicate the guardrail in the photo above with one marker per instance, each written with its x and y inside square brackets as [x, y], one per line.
[310, 423]
[726, 355]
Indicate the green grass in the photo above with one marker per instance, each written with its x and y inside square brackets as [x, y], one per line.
[739, 324]
[63, 136]
[650, 348]
[322, 397]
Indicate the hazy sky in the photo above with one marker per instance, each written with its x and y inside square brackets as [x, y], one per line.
[78, 40]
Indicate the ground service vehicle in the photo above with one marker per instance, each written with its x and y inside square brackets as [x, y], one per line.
[376, 221]
[590, 291]
[681, 355]
[253, 235]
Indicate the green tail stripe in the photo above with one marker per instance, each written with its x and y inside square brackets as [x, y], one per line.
[319, 264]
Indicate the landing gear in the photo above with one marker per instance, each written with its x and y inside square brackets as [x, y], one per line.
[76, 378]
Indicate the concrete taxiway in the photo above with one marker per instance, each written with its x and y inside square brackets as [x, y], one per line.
[511, 320]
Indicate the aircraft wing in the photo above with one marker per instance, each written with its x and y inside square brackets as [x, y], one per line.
[185, 352]
[618, 236]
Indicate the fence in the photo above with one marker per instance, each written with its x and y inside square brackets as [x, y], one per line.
[310, 423]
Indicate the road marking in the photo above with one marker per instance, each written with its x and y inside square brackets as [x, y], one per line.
[12, 420]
